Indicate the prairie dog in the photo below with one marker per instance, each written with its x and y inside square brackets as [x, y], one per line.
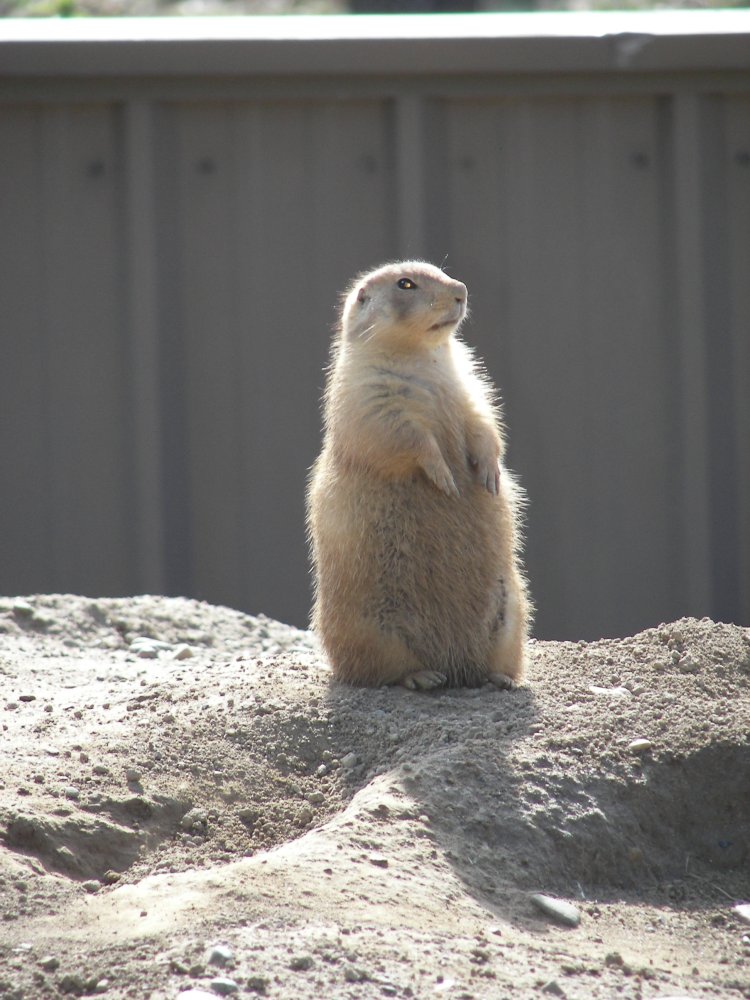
[412, 519]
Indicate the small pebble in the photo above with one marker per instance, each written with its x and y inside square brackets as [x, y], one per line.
[354, 975]
[72, 793]
[221, 954]
[256, 984]
[224, 987]
[378, 860]
[613, 692]
[183, 652]
[23, 609]
[560, 910]
[196, 994]
[66, 856]
[132, 775]
[49, 963]
[640, 746]
[742, 910]
[349, 760]
[148, 649]
[687, 665]
[91, 885]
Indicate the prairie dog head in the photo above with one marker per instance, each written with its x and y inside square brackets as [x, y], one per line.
[409, 303]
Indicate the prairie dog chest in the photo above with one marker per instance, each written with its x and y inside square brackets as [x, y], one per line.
[427, 391]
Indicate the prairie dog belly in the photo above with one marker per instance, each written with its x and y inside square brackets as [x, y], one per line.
[424, 568]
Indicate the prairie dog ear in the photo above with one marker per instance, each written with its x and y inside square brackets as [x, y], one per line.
[362, 295]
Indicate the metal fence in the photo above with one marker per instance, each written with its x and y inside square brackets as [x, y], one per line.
[182, 201]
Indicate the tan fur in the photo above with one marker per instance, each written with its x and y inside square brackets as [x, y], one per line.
[412, 518]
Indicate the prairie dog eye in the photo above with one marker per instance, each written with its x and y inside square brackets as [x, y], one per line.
[406, 283]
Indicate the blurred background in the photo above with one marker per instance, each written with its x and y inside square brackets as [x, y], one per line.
[177, 8]
[178, 216]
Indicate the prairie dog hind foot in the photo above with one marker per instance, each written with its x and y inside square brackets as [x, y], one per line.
[424, 680]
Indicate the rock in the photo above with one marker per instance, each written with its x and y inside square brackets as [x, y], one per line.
[49, 963]
[67, 858]
[224, 987]
[195, 819]
[301, 963]
[72, 793]
[132, 775]
[378, 860]
[256, 984]
[72, 983]
[248, 815]
[554, 988]
[355, 975]
[560, 910]
[640, 746]
[91, 885]
[222, 955]
[22, 609]
[183, 652]
[742, 910]
[349, 760]
[148, 648]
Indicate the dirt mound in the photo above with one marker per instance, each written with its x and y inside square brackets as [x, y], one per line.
[176, 776]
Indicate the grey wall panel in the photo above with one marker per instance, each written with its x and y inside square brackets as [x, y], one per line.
[64, 366]
[25, 496]
[737, 164]
[277, 204]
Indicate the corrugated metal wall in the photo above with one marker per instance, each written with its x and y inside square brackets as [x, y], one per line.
[171, 258]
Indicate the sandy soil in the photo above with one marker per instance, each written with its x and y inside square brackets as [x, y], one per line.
[208, 814]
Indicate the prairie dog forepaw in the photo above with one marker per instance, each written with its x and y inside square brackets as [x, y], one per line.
[487, 471]
[424, 680]
[442, 477]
